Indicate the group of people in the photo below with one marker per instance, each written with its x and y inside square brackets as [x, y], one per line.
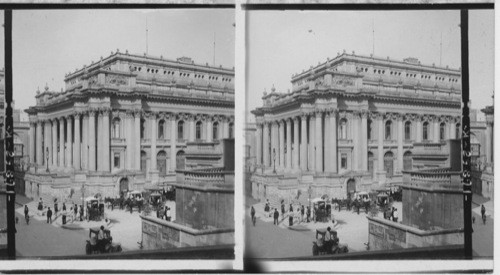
[391, 214]
[301, 214]
[167, 213]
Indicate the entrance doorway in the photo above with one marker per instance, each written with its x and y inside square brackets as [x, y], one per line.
[351, 188]
[123, 186]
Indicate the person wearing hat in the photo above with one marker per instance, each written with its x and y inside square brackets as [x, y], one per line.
[276, 216]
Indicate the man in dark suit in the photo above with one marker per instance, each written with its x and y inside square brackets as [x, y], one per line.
[276, 216]
[49, 216]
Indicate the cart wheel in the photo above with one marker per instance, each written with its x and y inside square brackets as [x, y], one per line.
[88, 249]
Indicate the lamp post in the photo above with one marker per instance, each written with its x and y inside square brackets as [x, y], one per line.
[47, 158]
[274, 160]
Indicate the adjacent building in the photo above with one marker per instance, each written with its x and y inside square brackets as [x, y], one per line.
[350, 124]
[123, 123]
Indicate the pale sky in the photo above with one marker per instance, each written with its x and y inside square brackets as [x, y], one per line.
[281, 43]
[48, 44]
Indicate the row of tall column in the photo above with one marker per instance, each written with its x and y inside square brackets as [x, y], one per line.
[315, 148]
[81, 141]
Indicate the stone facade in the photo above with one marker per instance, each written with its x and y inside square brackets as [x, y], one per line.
[432, 205]
[123, 123]
[204, 206]
[355, 118]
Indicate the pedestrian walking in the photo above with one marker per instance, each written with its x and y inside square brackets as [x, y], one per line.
[252, 214]
[282, 208]
[26, 214]
[483, 213]
[276, 216]
[302, 212]
[56, 208]
[75, 210]
[290, 218]
[49, 216]
[81, 213]
[308, 213]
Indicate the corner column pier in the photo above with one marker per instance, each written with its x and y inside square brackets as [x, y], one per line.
[61, 142]
[364, 141]
[380, 149]
[303, 143]
[105, 140]
[39, 156]
[32, 140]
[152, 119]
[77, 159]
[265, 144]
[92, 151]
[281, 144]
[318, 143]
[258, 143]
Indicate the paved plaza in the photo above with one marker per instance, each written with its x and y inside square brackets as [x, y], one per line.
[40, 239]
[265, 240]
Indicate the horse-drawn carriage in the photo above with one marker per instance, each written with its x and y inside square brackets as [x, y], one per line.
[322, 210]
[95, 209]
[321, 246]
[105, 246]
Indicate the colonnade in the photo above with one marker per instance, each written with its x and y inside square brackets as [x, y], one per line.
[311, 141]
[82, 140]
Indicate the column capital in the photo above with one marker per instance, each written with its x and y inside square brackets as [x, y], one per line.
[304, 116]
[281, 122]
[318, 113]
[377, 115]
[138, 113]
[364, 114]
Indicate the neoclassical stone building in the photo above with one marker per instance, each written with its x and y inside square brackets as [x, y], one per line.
[122, 123]
[349, 124]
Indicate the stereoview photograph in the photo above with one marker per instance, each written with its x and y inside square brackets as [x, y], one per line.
[124, 133]
[353, 134]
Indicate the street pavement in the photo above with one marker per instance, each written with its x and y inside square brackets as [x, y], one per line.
[40, 239]
[265, 240]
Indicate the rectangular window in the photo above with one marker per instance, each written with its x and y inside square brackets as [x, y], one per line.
[343, 161]
[117, 160]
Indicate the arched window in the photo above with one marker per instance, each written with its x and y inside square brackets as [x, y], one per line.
[181, 160]
[425, 131]
[343, 129]
[180, 130]
[231, 130]
[389, 164]
[143, 161]
[143, 128]
[442, 131]
[161, 129]
[116, 127]
[407, 161]
[369, 130]
[215, 131]
[408, 130]
[161, 163]
[388, 127]
[198, 130]
[457, 131]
